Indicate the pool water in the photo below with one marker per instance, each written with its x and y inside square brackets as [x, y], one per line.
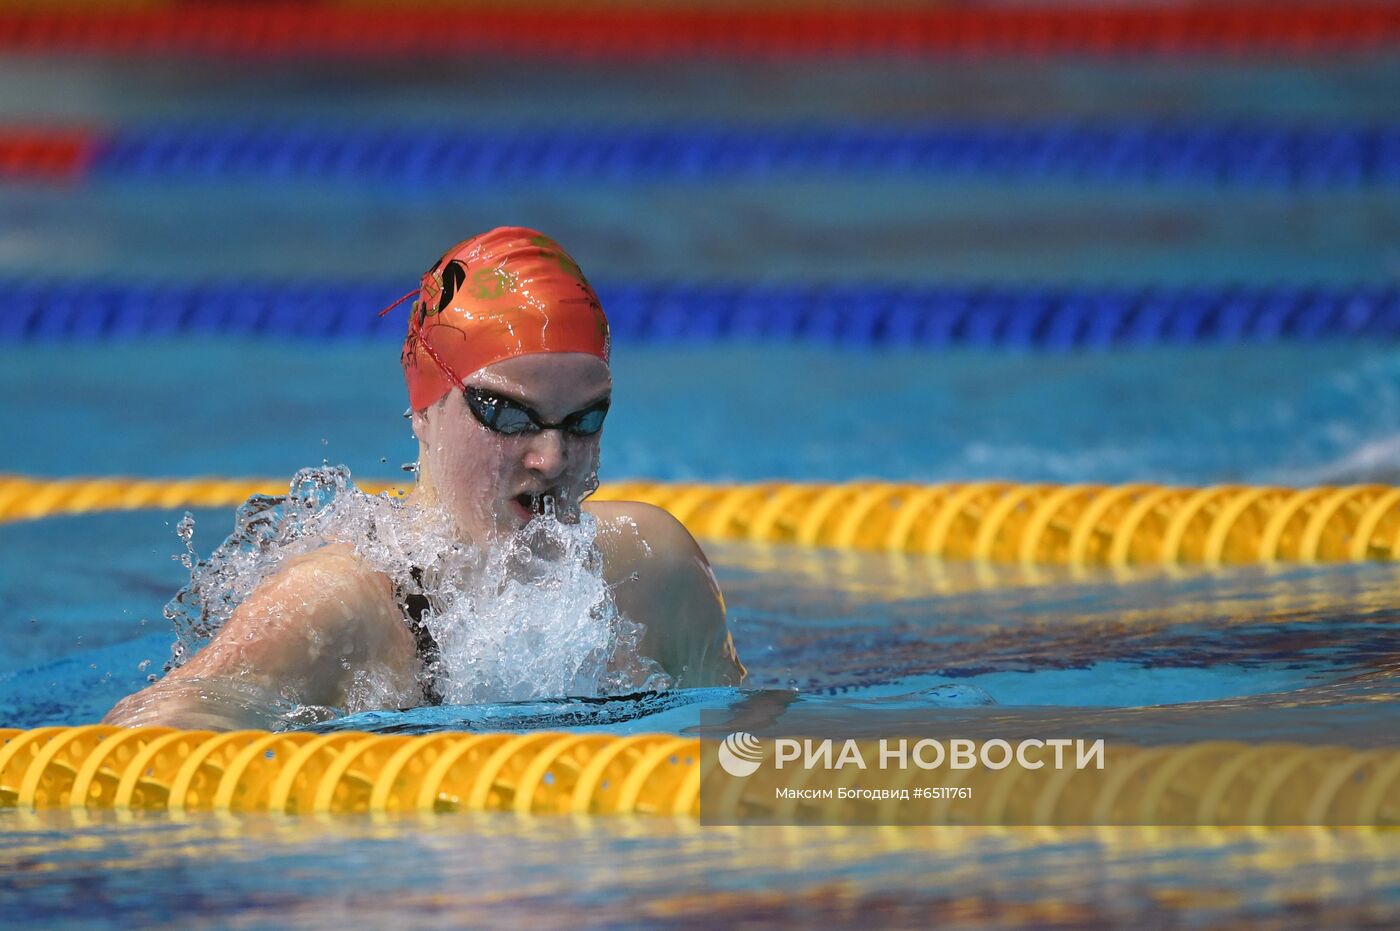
[1283, 413]
[871, 640]
[1292, 653]
[503, 872]
[838, 628]
[1307, 654]
[1304, 654]
[88, 589]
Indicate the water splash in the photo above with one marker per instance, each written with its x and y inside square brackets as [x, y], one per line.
[529, 617]
[542, 622]
[321, 506]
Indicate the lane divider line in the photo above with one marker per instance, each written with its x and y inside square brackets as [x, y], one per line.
[996, 522]
[1007, 317]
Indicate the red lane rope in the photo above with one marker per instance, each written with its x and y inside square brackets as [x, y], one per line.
[281, 29]
[45, 154]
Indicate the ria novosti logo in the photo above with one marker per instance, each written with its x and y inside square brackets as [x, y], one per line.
[740, 754]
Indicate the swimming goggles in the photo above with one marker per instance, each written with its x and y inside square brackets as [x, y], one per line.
[511, 418]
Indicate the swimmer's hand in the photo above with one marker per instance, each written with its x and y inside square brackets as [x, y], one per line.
[296, 642]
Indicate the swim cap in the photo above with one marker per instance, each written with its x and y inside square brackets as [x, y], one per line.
[509, 292]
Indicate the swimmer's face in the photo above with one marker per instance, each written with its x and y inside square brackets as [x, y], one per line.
[489, 481]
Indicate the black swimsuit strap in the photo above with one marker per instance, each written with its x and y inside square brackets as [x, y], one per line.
[428, 651]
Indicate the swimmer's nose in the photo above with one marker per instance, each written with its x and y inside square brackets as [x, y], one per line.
[546, 455]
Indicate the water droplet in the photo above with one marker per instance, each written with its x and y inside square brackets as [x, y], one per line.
[185, 531]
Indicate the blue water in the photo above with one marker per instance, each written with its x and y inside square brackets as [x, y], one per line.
[1291, 414]
[857, 627]
[822, 632]
[821, 230]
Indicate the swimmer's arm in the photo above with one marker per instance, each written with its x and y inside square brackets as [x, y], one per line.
[663, 580]
[698, 649]
[300, 636]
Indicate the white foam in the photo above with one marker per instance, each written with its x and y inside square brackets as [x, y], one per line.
[523, 618]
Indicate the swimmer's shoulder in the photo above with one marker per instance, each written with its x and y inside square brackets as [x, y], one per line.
[661, 578]
[333, 590]
[336, 570]
[644, 534]
[304, 629]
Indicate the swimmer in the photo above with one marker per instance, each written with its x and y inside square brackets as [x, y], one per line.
[507, 365]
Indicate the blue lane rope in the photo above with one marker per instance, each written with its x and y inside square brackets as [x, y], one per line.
[1027, 317]
[1132, 152]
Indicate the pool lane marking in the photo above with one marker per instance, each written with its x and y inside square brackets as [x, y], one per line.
[1124, 526]
[47, 154]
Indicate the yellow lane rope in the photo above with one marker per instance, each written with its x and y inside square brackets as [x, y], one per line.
[1000, 522]
[159, 769]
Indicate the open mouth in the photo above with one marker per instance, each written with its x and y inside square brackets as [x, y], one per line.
[532, 504]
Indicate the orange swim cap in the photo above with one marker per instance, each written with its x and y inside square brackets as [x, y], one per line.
[509, 292]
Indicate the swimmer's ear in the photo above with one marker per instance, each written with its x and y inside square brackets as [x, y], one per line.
[419, 422]
[419, 419]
